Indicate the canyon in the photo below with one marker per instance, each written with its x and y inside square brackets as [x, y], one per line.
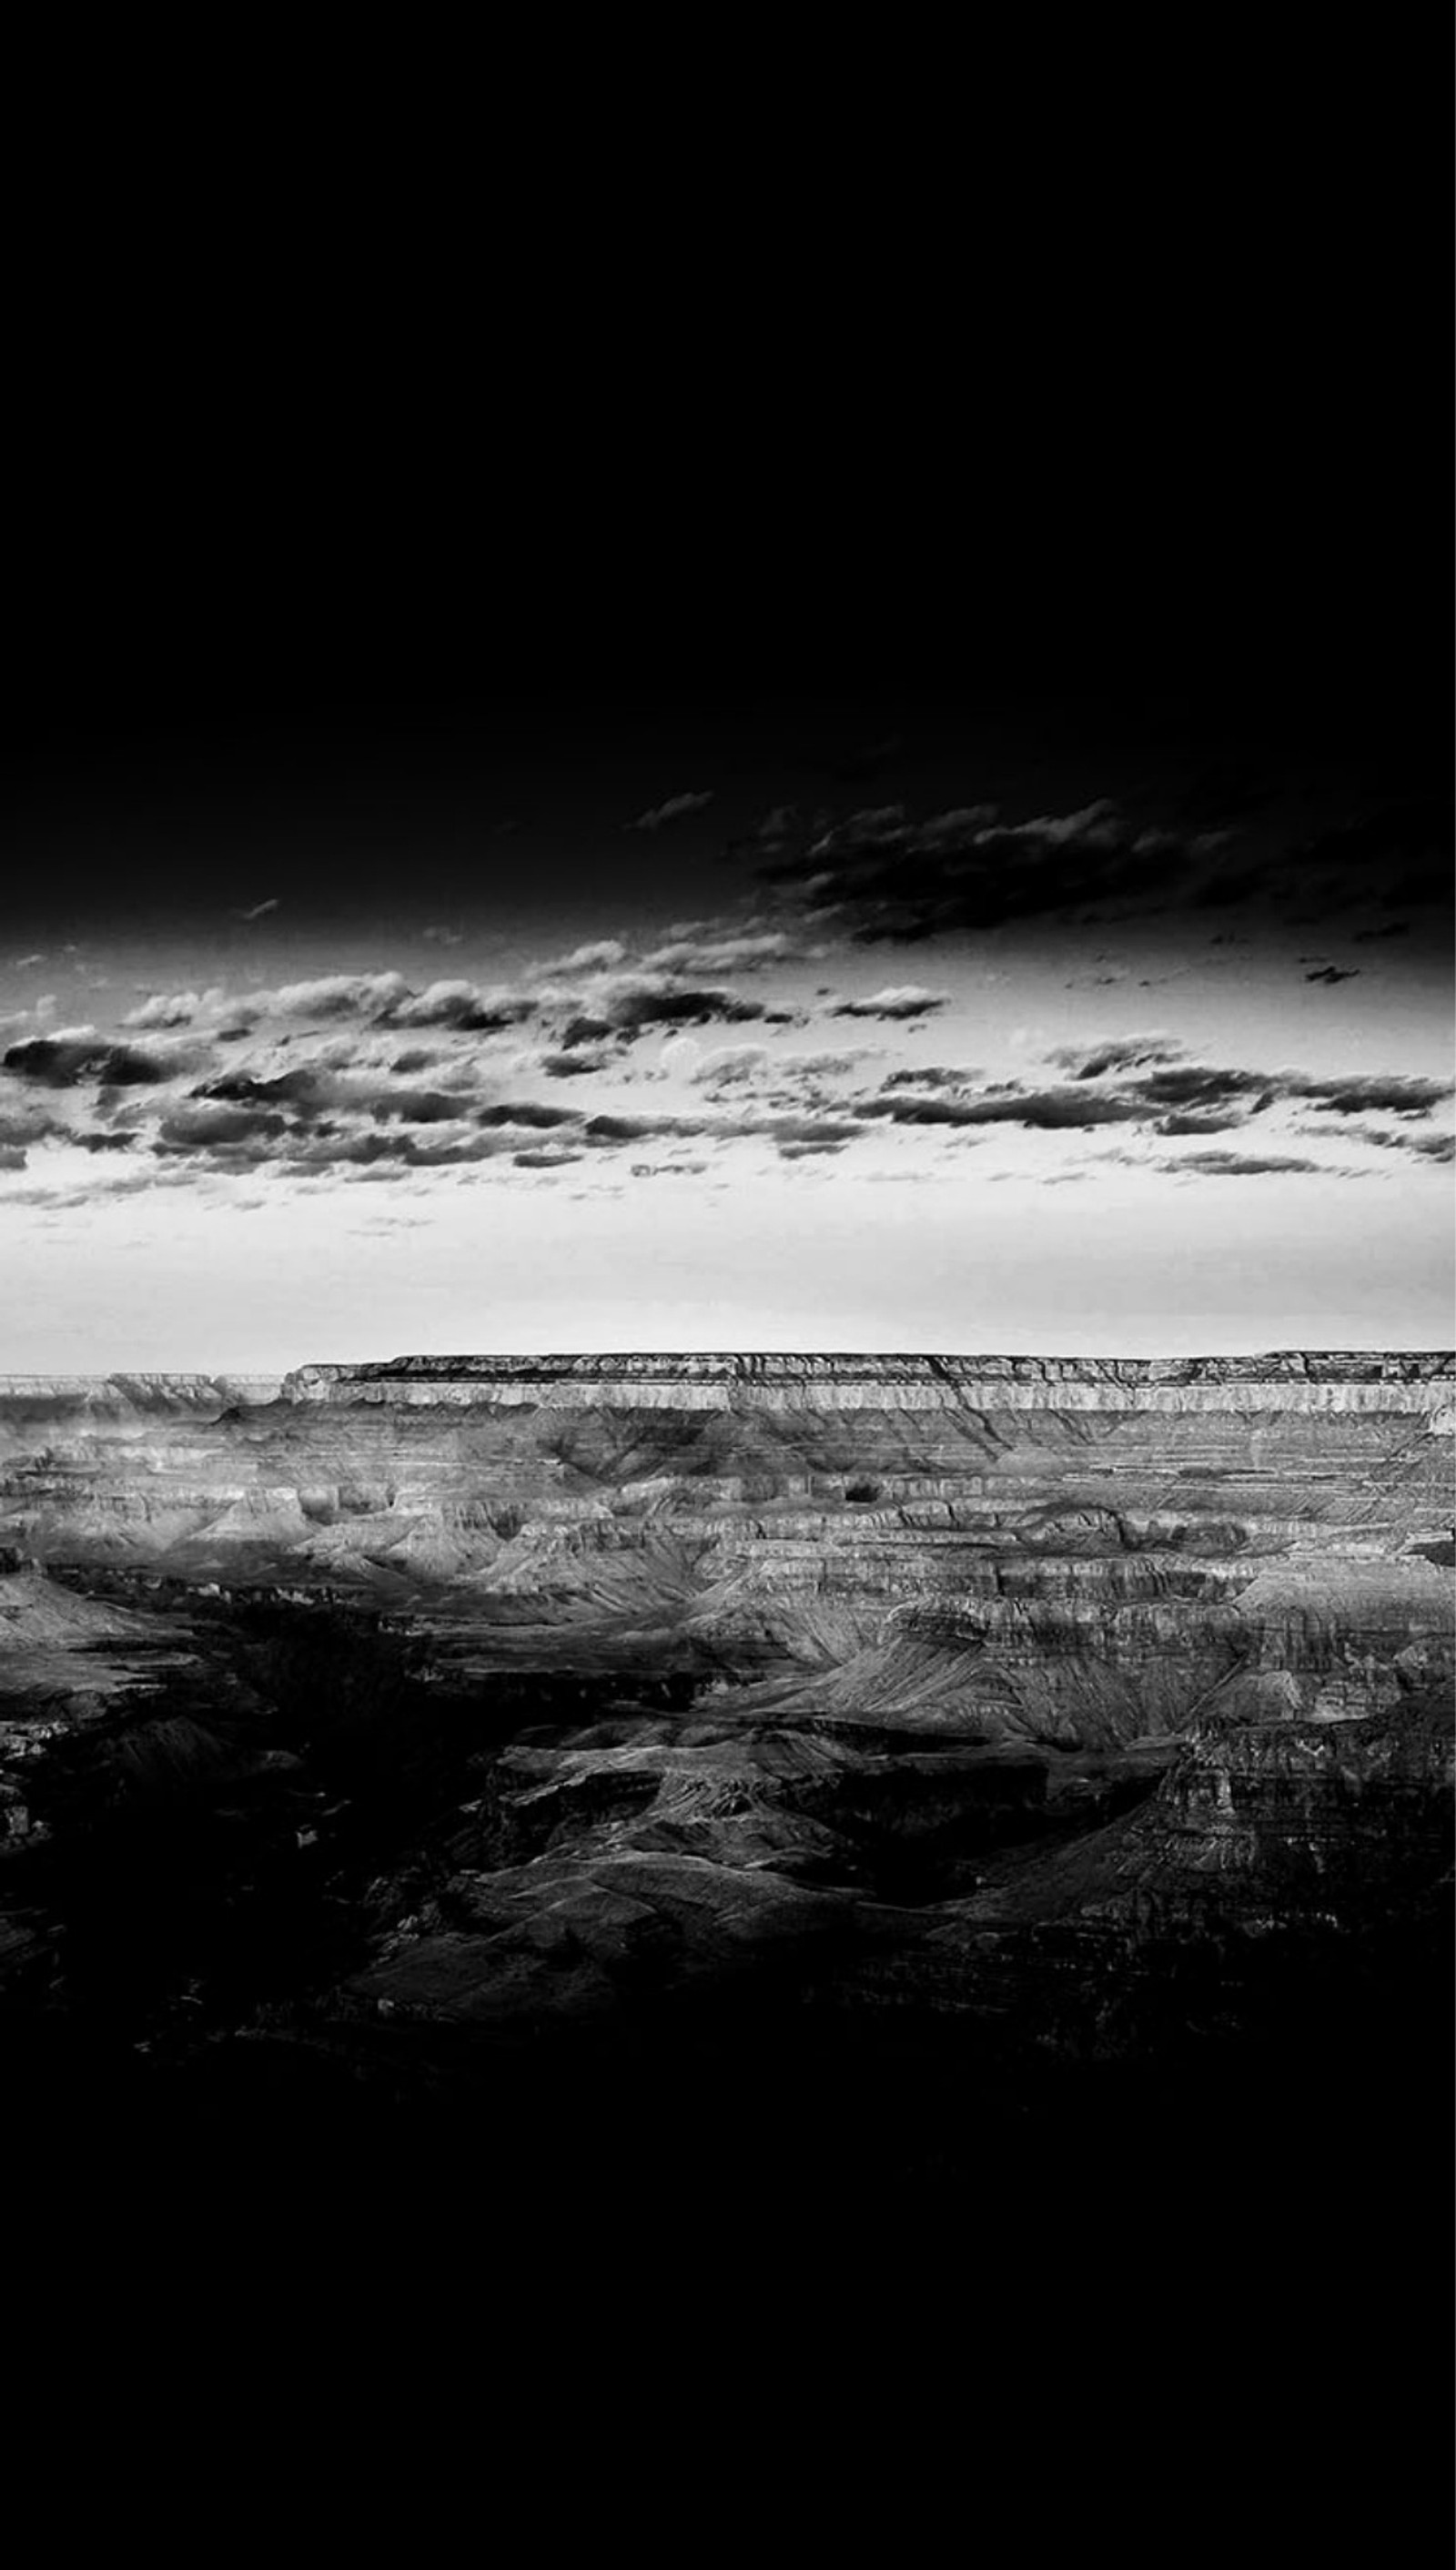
[503, 1731]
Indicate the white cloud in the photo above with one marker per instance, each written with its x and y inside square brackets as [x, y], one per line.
[176, 1008]
[676, 808]
[904, 999]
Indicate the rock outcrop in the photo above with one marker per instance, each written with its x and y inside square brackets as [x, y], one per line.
[774, 1380]
[395, 1709]
[1073, 1552]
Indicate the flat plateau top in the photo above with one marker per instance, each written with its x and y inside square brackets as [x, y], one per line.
[1277, 1366]
[1284, 1378]
[1294, 1380]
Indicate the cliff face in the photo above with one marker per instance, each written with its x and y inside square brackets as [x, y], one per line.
[950, 1685]
[1065, 1550]
[30, 1402]
[774, 1380]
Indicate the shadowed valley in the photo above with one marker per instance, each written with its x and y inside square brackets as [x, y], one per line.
[885, 1766]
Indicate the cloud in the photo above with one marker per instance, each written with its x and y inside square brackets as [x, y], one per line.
[65, 1061]
[603, 957]
[883, 876]
[527, 1112]
[259, 910]
[886, 878]
[746, 951]
[824, 1066]
[97, 1191]
[306, 1090]
[311, 1090]
[631, 1128]
[1046, 1109]
[732, 1066]
[774, 827]
[930, 1075]
[636, 1004]
[336, 1075]
[460, 1003]
[1191, 1085]
[606, 1131]
[1331, 973]
[1241, 1164]
[442, 936]
[388, 1000]
[1214, 1123]
[573, 1065]
[812, 1132]
[333, 995]
[420, 1106]
[1197, 1084]
[908, 1001]
[219, 1127]
[175, 1009]
[1392, 1095]
[1123, 1052]
[676, 808]
[746, 1065]
[1426, 1147]
[331, 1151]
[27, 1123]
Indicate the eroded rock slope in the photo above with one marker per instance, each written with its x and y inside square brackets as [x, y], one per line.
[942, 1681]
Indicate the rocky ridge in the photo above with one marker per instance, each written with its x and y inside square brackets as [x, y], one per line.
[878, 1672]
[772, 1380]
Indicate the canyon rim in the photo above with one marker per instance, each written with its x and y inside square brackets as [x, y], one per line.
[466, 1747]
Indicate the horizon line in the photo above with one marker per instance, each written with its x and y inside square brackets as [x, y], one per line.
[561, 1353]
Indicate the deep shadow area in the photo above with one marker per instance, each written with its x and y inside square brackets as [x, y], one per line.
[1223, 2155]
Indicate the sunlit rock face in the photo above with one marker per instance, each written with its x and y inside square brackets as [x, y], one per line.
[775, 1380]
[65, 1400]
[963, 1689]
[1070, 1552]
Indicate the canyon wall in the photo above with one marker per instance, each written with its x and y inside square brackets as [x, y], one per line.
[964, 1688]
[772, 1381]
[1070, 1550]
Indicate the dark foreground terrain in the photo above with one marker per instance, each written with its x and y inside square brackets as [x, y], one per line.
[1026, 1900]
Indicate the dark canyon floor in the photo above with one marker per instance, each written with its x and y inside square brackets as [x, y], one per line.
[661, 1803]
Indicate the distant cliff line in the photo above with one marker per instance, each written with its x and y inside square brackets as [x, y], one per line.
[133, 1383]
[1316, 1365]
[1284, 1379]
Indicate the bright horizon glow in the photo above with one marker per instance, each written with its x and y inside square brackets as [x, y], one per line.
[418, 1115]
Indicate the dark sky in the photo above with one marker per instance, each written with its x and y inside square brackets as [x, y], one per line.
[1143, 416]
[429, 568]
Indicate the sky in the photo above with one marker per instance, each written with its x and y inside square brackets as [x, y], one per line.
[900, 1020]
[887, 786]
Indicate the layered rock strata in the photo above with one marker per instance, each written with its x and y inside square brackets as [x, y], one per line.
[1068, 1549]
[937, 1682]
